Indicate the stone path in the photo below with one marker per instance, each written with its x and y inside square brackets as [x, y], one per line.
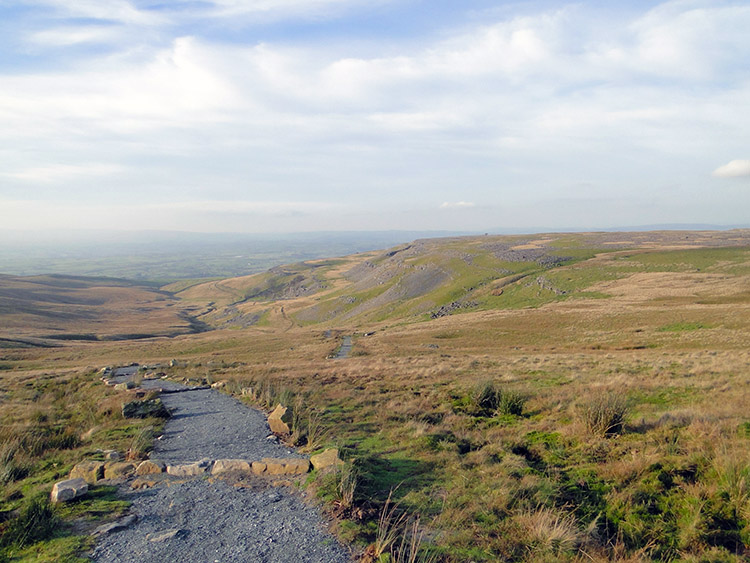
[345, 349]
[208, 519]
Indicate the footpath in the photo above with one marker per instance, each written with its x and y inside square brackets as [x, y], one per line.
[211, 518]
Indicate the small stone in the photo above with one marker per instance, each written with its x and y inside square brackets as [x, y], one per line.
[190, 469]
[89, 471]
[328, 458]
[164, 536]
[274, 466]
[280, 419]
[69, 489]
[259, 467]
[296, 466]
[118, 469]
[286, 466]
[150, 467]
[230, 466]
[124, 386]
[143, 483]
[112, 455]
[116, 526]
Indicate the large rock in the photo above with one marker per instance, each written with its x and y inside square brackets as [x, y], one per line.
[280, 420]
[286, 466]
[230, 466]
[124, 386]
[190, 469]
[69, 489]
[89, 471]
[145, 409]
[150, 467]
[296, 466]
[118, 469]
[326, 459]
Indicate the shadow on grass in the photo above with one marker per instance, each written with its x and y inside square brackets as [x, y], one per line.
[378, 476]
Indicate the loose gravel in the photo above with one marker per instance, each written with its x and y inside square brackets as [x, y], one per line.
[212, 520]
[201, 521]
[209, 424]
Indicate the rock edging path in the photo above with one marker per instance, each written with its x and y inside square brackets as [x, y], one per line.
[210, 519]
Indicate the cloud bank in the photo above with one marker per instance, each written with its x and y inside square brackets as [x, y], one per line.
[130, 103]
[733, 169]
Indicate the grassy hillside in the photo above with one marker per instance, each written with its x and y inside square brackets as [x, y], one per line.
[438, 277]
[44, 310]
[549, 398]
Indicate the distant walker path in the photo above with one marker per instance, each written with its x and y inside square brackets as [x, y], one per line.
[345, 349]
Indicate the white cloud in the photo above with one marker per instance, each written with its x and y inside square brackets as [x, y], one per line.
[457, 205]
[107, 10]
[733, 169]
[515, 108]
[63, 172]
[67, 36]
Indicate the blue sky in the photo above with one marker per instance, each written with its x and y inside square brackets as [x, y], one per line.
[303, 115]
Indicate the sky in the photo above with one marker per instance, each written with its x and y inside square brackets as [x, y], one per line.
[324, 115]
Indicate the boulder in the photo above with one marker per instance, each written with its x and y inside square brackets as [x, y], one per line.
[296, 466]
[280, 420]
[190, 469]
[145, 409]
[118, 469]
[274, 466]
[286, 466]
[150, 467]
[124, 386]
[230, 466]
[68, 490]
[89, 471]
[325, 459]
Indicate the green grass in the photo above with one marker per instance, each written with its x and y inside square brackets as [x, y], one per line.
[716, 260]
[683, 326]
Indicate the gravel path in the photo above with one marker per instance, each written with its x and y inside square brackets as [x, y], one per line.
[211, 520]
[209, 424]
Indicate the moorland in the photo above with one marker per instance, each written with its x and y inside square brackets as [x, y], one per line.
[555, 397]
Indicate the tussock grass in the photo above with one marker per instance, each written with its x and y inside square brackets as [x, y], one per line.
[42, 419]
[604, 412]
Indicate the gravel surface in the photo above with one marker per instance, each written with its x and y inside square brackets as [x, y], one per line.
[218, 522]
[209, 424]
[209, 519]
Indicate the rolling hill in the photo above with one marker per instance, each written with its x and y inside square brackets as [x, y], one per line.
[432, 278]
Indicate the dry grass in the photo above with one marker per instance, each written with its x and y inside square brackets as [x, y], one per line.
[665, 479]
